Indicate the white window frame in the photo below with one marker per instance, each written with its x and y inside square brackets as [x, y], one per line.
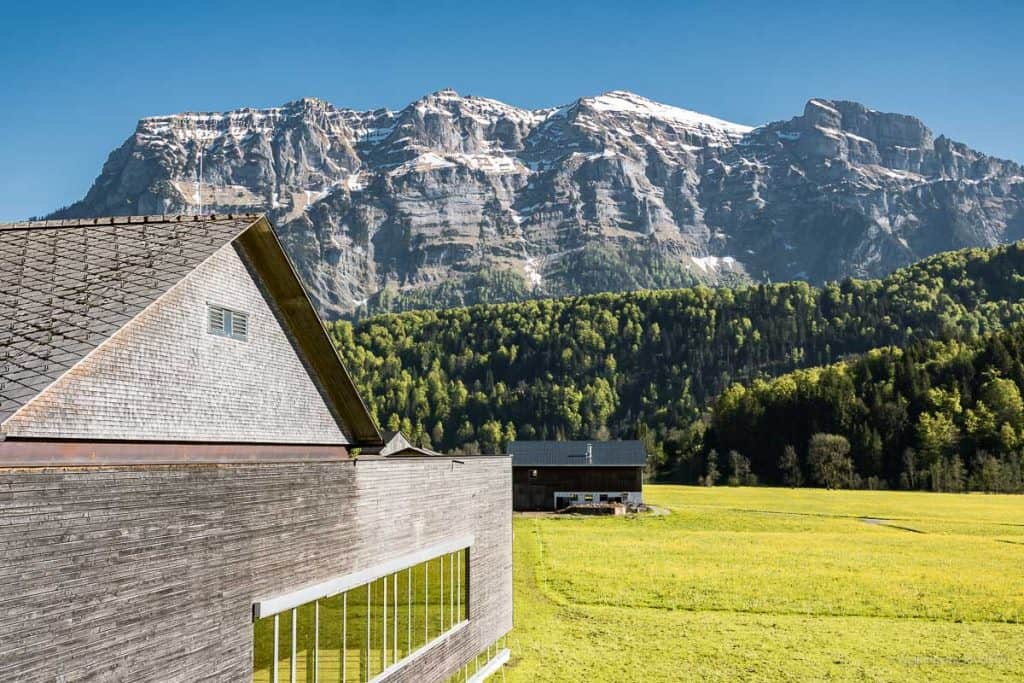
[275, 605]
[455, 549]
[231, 321]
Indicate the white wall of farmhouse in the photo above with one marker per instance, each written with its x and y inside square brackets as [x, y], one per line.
[165, 377]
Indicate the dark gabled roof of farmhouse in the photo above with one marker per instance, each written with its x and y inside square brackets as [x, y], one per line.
[66, 286]
[574, 454]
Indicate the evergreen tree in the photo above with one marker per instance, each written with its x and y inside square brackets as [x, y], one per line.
[739, 470]
[490, 437]
[711, 468]
[909, 475]
[988, 473]
[789, 466]
[437, 434]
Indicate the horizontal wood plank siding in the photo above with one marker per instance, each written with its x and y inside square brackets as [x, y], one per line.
[150, 573]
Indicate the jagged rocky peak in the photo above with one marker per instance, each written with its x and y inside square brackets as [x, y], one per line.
[848, 131]
[455, 199]
[238, 124]
[308, 104]
[484, 108]
[445, 121]
[885, 130]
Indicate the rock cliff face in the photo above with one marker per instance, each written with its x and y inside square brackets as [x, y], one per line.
[461, 199]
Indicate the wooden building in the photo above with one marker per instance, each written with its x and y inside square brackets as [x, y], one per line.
[551, 475]
[179, 499]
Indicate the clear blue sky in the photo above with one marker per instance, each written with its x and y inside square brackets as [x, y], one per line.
[77, 76]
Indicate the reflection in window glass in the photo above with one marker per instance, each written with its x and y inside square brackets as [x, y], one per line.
[356, 628]
[461, 585]
[305, 643]
[263, 651]
[398, 616]
[355, 635]
[435, 598]
[377, 616]
[420, 613]
[284, 645]
[329, 638]
[480, 661]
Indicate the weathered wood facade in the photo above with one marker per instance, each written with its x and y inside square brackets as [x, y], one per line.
[550, 475]
[150, 573]
[164, 471]
[534, 488]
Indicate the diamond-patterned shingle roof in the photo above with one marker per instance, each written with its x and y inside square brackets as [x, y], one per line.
[67, 286]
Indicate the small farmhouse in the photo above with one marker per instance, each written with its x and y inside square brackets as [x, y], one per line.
[191, 487]
[551, 475]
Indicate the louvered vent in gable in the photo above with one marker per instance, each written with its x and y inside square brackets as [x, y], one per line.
[239, 326]
[225, 322]
[216, 314]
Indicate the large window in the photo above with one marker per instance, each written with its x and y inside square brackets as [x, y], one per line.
[355, 634]
[484, 664]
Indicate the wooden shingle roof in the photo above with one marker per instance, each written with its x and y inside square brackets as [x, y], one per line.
[67, 286]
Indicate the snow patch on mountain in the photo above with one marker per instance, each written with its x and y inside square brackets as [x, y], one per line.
[532, 273]
[712, 264]
[626, 102]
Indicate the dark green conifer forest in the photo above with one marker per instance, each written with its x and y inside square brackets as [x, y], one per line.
[919, 374]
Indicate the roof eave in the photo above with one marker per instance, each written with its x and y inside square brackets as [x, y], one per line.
[277, 273]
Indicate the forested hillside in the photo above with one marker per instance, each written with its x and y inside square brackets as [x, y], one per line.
[945, 416]
[644, 364]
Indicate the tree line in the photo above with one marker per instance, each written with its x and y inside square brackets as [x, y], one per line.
[668, 366]
[942, 416]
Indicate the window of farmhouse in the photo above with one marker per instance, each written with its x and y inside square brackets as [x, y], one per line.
[356, 635]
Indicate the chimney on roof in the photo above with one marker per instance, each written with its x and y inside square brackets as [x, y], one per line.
[590, 453]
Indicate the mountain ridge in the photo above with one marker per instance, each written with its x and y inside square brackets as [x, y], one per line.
[463, 199]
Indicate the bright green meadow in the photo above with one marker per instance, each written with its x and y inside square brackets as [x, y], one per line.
[762, 584]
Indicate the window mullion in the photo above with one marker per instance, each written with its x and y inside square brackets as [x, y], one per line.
[426, 602]
[277, 624]
[394, 619]
[369, 621]
[344, 637]
[295, 633]
[409, 611]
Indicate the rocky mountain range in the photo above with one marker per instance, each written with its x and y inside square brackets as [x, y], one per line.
[460, 199]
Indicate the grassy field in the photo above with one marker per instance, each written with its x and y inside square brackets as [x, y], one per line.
[765, 584]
